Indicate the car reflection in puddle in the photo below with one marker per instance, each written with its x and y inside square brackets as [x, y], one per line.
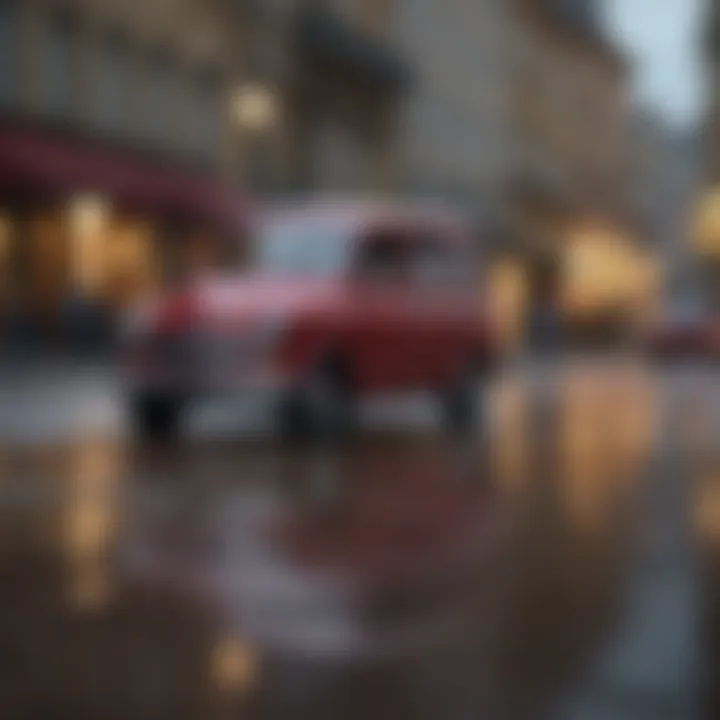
[340, 568]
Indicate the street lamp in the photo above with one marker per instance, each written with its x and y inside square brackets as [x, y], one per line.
[255, 112]
[254, 108]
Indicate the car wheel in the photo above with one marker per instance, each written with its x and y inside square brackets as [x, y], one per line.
[156, 416]
[321, 408]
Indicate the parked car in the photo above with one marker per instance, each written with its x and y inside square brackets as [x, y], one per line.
[341, 301]
[687, 331]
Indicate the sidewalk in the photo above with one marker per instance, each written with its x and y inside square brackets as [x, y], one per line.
[60, 398]
[57, 399]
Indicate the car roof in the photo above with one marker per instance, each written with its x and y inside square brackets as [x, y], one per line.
[357, 213]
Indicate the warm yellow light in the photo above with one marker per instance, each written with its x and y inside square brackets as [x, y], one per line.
[508, 295]
[88, 213]
[88, 219]
[130, 261]
[5, 236]
[706, 509]
[90, 523]
[706, 231]
[234, 665]
[254, 108]
[601, 269]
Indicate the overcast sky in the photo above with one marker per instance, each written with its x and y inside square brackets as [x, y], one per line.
[662, 35]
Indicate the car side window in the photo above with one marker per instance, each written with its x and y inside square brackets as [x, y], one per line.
[440, 264]
[382, 258]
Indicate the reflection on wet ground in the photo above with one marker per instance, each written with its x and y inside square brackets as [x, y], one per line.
[565, 566]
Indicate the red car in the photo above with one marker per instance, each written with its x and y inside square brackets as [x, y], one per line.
[688, 331]
[341, 301]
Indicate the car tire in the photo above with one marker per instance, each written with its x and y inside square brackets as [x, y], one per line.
[156, 416]
[321, 408]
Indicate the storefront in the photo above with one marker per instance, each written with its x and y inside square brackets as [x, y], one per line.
[508, 289]
[609, 284]
[525, 270]
[599, 283]
[82, 225]
[706, 246]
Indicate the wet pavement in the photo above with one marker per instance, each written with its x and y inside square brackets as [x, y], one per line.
[564, 565]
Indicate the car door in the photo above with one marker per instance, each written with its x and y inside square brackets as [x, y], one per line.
[444, 305]
[380, 312]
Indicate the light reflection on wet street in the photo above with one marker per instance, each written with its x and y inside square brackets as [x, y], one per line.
[568, 567]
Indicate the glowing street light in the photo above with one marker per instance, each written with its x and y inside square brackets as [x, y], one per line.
[706, 231]
[254, 108]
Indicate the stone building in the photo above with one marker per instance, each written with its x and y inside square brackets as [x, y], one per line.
[573, 242]
[455, 130]
[706, 220]
[132, 132]
[346, 83]
[117, 150]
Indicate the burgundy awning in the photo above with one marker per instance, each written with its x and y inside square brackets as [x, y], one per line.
[35, 161]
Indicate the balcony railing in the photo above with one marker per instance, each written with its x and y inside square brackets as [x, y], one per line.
[326, 36]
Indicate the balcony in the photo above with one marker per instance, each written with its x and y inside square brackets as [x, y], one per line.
[328, 38]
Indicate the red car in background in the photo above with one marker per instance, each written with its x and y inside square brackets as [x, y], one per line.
[342, 300]
[687, 331]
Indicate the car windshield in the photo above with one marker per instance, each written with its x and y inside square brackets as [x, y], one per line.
[301, 248]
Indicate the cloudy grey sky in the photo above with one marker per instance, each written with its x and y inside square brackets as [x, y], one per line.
[662, 35]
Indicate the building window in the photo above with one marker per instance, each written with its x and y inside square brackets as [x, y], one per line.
[113, 83]
[9, 32]
[131, 270]
[89, 221]
[61, 63]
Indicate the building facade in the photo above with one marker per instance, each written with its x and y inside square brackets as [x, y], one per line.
[455, 130]
[132, 132]
[572, 236]
[710, 46]
[662, 188]
[661, 170]
[344, 88]
[706, 220]
[117, 152]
